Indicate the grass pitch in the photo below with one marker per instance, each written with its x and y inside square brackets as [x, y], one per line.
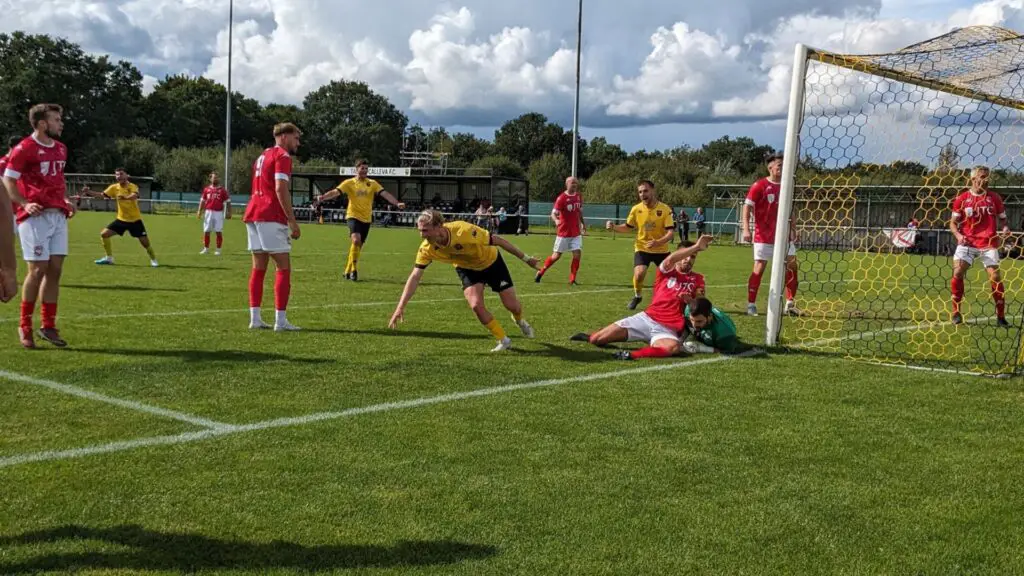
[168, 439]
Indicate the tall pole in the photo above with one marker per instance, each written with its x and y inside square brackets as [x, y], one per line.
[227, 116]
[576, 103]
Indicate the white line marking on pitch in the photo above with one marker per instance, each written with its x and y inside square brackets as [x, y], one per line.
[176, 313]
[129, 404]
[187, 437]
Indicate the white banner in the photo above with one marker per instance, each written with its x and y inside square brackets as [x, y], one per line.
[902, 237]
[378, 171]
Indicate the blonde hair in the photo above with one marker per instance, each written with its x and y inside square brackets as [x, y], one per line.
[979, 168]
[286, 128]
[431, 218]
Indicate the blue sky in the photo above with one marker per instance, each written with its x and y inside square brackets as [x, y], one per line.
[660, 74]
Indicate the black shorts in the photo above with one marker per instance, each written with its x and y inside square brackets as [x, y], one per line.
[137, 229]
[648, 258]
[496, 276]
[359, 227]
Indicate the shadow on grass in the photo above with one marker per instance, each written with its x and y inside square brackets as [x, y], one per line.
[189, 553]
[176, 267]
[246, 356]
[583, 354]
[121, 288]
[399, 333]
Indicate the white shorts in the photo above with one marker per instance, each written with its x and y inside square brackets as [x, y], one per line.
[44, 235]
[643, 328]
[213, 221]
[567, 244]
[269, 237]
[765, 251]
[989, 257]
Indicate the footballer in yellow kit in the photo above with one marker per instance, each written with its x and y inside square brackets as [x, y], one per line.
[652, 221]
[474, 253]
[129, 216]
[361, 191]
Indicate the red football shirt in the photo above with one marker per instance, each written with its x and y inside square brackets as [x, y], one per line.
[3, 166]
[264, 206]
[215, 197]
[39, 170]
[763, 197]
[569, 208]
[978, 215]
[666, 306]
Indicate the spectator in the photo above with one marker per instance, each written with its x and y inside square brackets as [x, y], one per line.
[683, 221]
[700, 221]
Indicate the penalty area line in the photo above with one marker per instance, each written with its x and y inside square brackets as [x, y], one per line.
[120, 402]
[187, 437]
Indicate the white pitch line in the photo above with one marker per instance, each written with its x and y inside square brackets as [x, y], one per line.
[176, 313]
[129, 404]
[225, 430]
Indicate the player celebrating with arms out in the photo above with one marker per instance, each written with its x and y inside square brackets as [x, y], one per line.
[652, 221]
[763, 198]
[973, 224]
[474, 253]
[34, 179]
[569, 229]
[271, 226]
[662, 323]
[129, 216]
[361, 191]
[214, 207]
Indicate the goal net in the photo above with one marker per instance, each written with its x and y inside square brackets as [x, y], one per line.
[877, 148]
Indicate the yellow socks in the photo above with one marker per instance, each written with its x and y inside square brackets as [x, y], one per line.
[107, 248]
[494, 327]
[353, 258]
[638, 285]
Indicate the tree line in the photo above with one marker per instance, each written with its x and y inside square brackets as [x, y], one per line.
[176, 132]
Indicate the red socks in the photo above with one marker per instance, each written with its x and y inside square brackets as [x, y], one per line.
[547, 264]
[957, 286]
[206, 239]
[997, 294]
[49, 313]
[282, 289]
[27, 310]
[753, 285]
[650, 352]
[256, 287]
[791, 283]
[573, 269]
[220, 240]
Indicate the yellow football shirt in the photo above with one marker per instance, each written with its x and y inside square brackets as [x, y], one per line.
[127, 210]
[470, 248]
[360, 198]
[651, 224]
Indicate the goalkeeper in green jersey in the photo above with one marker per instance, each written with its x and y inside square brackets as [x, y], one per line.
[712, 329]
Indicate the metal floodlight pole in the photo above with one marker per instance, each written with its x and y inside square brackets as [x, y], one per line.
[576, 103]
[227, 116]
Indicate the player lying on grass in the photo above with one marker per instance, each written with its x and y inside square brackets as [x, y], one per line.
[662, 323]
[712, 329]
[474, 253]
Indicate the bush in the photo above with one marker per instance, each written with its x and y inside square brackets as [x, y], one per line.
[547, 176]
[499, 166]
[139, 156]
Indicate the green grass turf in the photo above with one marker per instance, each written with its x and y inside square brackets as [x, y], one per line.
[788, 463]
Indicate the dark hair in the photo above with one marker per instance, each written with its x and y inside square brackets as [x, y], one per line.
[700, 306]
[37, 113]
[120, 169]
[684, 244]
[772, 157]
[13, 141]
[645, 182]
[362, 162]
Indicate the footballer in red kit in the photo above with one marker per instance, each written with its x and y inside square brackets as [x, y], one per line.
[763, 200]
[662, 324]
[569, 229]
[8, 257]
[271, 226]
[214, 208]
[977, 211]
[34, 179]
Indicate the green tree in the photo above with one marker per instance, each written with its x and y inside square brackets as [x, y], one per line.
[345, 120]
[547, 176]
[742, 155]
[188, 111]
[101, 99]
[139, 156]
[186, 169]
[466, 148]
[600, 154]
[528, 137]
[498, 166]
